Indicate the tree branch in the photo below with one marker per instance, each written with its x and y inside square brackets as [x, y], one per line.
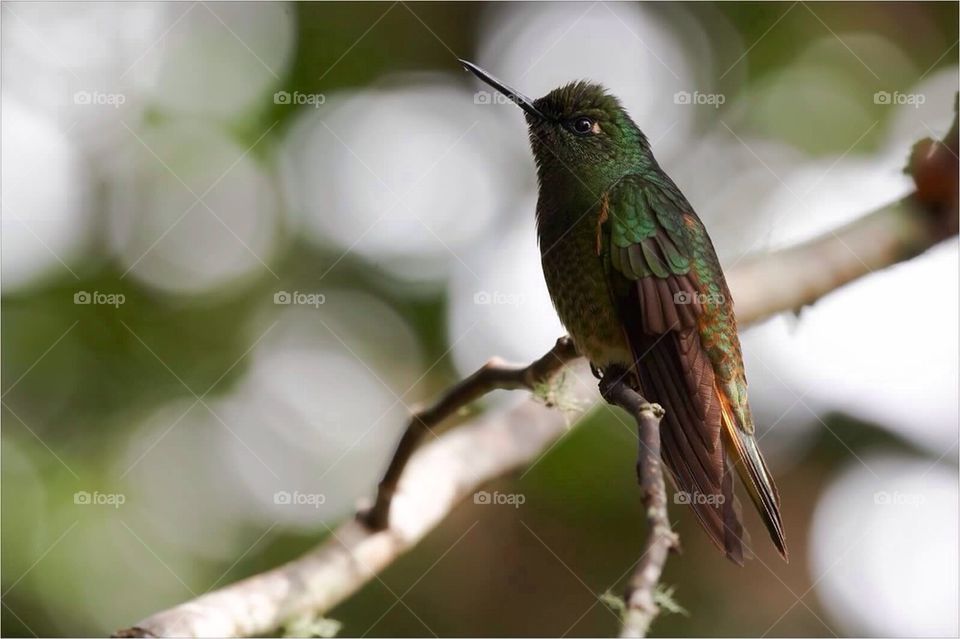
[445, 471]
[641, 608]
[494, 375]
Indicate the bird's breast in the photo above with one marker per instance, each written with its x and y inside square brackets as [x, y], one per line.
[577, 282]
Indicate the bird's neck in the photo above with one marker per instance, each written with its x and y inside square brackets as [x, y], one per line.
[566, 207]
[569, 196]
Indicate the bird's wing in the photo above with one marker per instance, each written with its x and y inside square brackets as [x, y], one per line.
[647, 246]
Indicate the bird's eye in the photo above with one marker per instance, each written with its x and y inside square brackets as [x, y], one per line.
[583, 125]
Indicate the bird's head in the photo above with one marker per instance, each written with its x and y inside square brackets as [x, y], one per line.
[578, 131]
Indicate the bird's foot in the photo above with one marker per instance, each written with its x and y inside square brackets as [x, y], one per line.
[373, 520]
[613, 375]
[375, 517]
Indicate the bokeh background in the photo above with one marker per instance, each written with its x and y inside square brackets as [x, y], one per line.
[239, 240]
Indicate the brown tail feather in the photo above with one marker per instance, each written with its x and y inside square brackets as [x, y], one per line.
[755, 476]
[736, 539]
[672, 368]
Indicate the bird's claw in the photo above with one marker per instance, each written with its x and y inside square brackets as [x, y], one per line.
[613, 376]
[370, 520]
[373, 518]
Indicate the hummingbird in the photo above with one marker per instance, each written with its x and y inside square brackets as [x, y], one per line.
[636, 282]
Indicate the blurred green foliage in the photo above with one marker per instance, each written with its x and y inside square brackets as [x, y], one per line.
[79, 400]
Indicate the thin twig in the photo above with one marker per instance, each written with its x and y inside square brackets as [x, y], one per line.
[494, 375]
[641, 608]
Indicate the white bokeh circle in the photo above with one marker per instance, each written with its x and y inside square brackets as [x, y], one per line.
[884, 548]
[403, 175]
[219, 59]
[167, 239]
[46, 198]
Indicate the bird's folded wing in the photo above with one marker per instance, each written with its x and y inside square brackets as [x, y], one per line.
[648, 252]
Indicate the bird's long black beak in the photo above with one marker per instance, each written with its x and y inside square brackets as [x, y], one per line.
[511, 94]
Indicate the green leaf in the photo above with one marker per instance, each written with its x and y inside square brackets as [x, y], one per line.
[614, 602]
[555, 394]
[309, 626]
[663, 596]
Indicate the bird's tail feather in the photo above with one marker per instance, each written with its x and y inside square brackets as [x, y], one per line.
[675, 372]
[754, 474]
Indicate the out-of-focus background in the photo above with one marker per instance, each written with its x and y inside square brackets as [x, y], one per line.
[240, 240]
